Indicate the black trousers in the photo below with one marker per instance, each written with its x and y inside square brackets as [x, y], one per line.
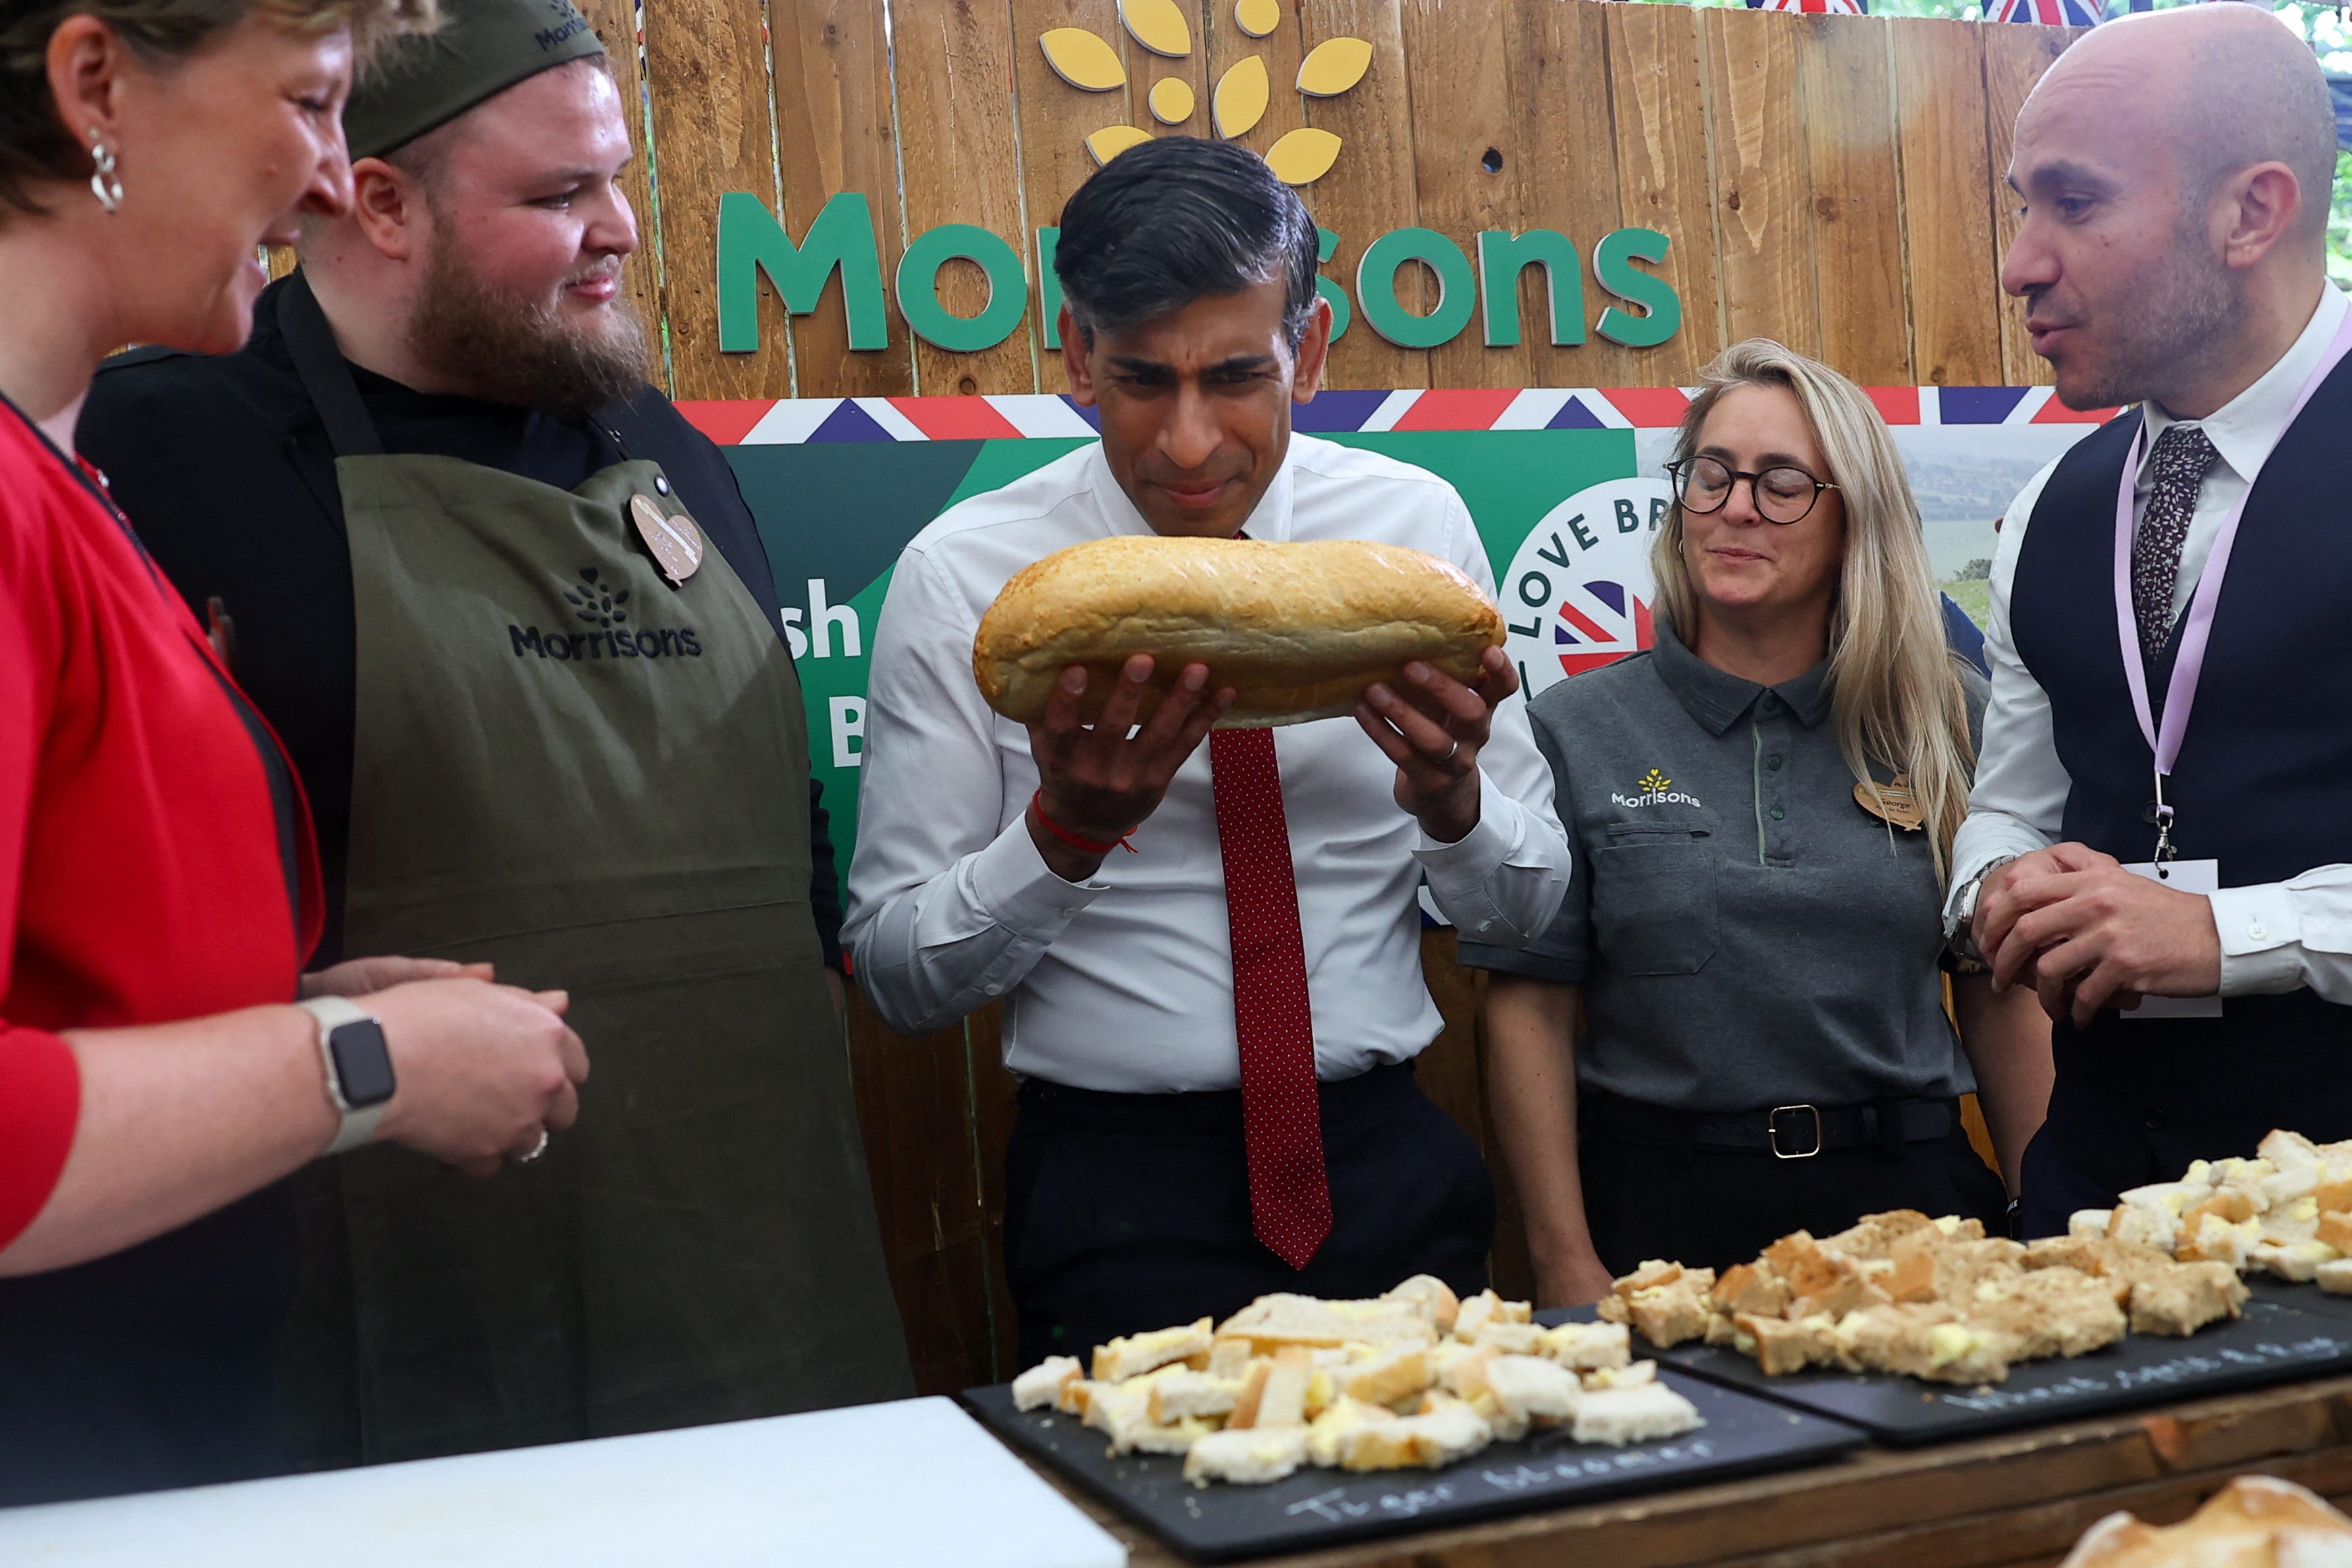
[2134, 1103]
[1653, 1197]
[1129, 1212]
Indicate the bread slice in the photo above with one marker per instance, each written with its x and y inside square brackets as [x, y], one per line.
[1389, 1378]
[1272, 1322]
[1248, 1457]
[1639, 1372]
[2334, 1277]
[1642, 1413]
[1122, 1412]
[1184, 1392]
[1511, 1338]
[1131, 1355]
[1043, 1384]
[1275, 1394]
[1484, 1307]
[1328, 1434]
[1434, 1296]
[1530, 1390]
[1447, 1431]
[1589, 1347]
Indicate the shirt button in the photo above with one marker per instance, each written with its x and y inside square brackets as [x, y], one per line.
[2258, 930]
[2157, 1120]
[1773, 762]
[1771, 704]
[1777, 814]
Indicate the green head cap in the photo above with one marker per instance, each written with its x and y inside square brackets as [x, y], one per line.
[481, 49]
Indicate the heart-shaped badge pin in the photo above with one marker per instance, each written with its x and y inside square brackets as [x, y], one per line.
[676, 543]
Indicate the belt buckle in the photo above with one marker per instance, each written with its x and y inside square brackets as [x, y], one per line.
[1772, 1130]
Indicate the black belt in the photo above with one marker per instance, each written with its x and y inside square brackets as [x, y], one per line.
[1789, 1132]
[1341, 1101]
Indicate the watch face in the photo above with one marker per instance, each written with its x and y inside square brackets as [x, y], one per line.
[363, 1065]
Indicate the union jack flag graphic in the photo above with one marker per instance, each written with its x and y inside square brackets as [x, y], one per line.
[1598, 624]
[1815, 7]
[2049, 13]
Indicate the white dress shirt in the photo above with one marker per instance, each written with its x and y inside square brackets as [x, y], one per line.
[1124, 983]
[2276, 936]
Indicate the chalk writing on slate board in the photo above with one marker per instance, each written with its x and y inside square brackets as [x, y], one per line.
[1743, 1436]
[2271, 1344]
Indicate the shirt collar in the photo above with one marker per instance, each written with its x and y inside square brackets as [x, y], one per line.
[1718, 698]
[1270, 520]
[2244, 429]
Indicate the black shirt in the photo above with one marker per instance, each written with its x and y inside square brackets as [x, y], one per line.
[225, 469]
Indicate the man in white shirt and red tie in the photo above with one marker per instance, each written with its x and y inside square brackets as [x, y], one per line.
[1209, 954]
[2171, 677]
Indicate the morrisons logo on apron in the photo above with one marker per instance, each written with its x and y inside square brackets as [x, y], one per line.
[603, 605]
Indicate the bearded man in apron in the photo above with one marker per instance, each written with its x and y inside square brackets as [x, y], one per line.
[499, 597]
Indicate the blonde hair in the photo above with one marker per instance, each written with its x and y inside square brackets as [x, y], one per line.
[1894, 685]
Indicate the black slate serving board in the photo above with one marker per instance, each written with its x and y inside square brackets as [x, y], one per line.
[2308, 1298]
[1317, 1508]
[2271, 1343]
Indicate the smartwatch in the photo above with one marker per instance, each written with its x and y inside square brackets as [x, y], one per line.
[360, 1081]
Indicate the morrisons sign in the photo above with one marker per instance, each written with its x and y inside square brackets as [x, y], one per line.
[1637, 308]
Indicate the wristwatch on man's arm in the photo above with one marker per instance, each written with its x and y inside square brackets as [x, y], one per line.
[360, 1080]
[1963, 956]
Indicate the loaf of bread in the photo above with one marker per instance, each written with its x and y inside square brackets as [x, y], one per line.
[2256, 1521]
[1297, 630]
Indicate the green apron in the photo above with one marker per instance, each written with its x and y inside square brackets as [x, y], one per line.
[567, 766]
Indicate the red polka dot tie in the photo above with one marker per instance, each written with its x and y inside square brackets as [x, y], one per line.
[1290, 1192]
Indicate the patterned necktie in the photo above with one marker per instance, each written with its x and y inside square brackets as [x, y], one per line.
[2183, 454]
[1290, 1192]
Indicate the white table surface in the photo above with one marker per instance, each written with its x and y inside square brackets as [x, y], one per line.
[912, 1482]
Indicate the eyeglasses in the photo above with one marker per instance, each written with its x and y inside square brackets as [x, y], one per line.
[1783, 495]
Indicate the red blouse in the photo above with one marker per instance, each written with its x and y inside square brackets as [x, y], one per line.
[155, 857]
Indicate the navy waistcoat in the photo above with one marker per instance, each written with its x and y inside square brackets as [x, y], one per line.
[2264, 784]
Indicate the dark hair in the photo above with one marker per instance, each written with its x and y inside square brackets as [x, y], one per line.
[1176, 219]
[36, 149]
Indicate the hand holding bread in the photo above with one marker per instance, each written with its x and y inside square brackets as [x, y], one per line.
[1097, 784]
[1180, 634]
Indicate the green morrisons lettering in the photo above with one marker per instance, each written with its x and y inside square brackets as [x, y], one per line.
[1457, 287]
[750, 241]
[1611, 260]
[919, 289]
[841, 240]
[1502, 257]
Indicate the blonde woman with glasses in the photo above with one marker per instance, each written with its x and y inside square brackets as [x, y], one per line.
[1736, 1027]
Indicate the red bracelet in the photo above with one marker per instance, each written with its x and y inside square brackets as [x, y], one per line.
[1037, 804]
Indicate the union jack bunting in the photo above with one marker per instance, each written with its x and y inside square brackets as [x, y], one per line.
[1816, 7]
[2049, 13]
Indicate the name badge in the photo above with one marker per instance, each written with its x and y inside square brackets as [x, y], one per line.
[2181, 877]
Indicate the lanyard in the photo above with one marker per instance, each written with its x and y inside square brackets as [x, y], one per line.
[2189, 661]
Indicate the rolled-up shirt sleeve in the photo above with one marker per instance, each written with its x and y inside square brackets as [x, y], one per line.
[1561, 951]
[950, 907]
[40, 1081]
[2019, 800]
[1501, 882]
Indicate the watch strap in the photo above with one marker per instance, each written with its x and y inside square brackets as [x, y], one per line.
[360, 1123]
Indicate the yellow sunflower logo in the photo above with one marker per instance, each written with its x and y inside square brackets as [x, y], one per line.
[1087, 62]
[1656, 783]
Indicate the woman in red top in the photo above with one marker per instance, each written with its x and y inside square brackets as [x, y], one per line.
[157, 892]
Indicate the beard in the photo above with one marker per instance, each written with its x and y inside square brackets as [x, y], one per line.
[513, 349]
[2188, 313]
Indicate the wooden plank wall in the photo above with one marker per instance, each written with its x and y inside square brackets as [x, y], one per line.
[1830, 182]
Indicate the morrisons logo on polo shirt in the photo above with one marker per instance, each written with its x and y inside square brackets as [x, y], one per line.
[605, 606]
[1655, 789]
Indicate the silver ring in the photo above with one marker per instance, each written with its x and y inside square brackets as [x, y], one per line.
[536, 1149]
[1450, 753]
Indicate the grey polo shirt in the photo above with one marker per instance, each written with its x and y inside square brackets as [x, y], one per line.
[1747, 935]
